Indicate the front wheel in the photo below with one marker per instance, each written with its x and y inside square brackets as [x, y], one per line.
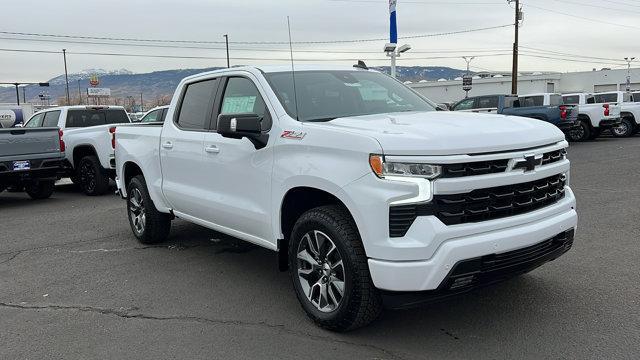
[40, 189]
[148, 224]
[624, 129]
[330, 272]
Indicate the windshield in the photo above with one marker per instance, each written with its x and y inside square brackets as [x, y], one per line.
[326, 95]
[571, 99]
[95, 117]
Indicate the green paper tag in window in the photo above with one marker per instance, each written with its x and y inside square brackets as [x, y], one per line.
[238, 104]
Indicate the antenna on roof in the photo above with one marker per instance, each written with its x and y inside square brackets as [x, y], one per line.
[293, 70]
[361, 65]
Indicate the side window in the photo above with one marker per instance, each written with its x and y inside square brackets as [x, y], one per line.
[591, 100]
[242, 97]
[164, 114]
[35, 121]
[487, 102]
[51, 119]
[464, 105]
[196, 106]
[151, 117]
[555, 100]
[530, 101]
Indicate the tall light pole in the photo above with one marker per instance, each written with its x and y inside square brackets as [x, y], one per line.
[79, 94]
[66, 75]
[226, 40]
[466, 80]
[514, 70]
[629, 60]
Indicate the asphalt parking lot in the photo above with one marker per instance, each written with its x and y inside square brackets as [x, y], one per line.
[75, 284]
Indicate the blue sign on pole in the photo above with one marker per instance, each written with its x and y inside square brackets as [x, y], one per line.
[393, 31]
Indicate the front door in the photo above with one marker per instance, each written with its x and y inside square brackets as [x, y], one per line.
[239, 175]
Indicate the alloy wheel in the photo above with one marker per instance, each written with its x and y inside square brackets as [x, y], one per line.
[621, 129]
[88, 176]
[321, 272]
[137, 211]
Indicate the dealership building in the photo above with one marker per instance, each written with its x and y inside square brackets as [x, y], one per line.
[537, 82]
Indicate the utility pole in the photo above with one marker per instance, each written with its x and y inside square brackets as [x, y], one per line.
[24, 94]
[514, 71]
[141, 103]
[17, 93]
[66, 75]
[79, 94]
[226, 40]
[629, 60]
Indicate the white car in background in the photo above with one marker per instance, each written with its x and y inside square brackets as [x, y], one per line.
[88, 133]
[157, 114]
[594, 117]
[629, 111]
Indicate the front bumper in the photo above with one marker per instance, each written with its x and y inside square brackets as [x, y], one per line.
[485, 270]
[609, 123]
[431, 273]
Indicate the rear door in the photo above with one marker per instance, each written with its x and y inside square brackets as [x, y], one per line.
[184, 182]
[238, 174]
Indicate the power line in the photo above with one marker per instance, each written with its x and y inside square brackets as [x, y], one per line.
[568, 54]
[597, 6]
[537, 55]
[244, 42]
[582, 17]
[324, 51]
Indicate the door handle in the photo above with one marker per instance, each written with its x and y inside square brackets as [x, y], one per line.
[212, 149]
[167, 145]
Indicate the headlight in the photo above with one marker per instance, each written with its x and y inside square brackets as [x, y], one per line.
[383, 168]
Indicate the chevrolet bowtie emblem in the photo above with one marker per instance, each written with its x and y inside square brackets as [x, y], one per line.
[529, 162]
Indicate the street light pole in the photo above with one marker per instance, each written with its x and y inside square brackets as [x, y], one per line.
[79, 94]
[629, 60]
[226, 40]
[66, 75]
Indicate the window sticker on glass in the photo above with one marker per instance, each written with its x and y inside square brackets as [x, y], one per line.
[238, 104]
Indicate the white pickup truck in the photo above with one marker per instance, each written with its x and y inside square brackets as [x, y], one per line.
[367, 193]
[629, 111]
[594, 117]
[88, 133]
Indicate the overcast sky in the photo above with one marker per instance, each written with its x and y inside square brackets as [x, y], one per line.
[551, 32]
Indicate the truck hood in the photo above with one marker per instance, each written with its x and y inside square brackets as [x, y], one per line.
[449, 133]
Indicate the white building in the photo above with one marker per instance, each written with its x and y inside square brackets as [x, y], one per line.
[586, 81]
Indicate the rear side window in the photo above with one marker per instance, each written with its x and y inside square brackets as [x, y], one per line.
[555, 100]
[571, 99]
[36, 121]
[51, 119]
[89, 117]
[529, 101]
[606, 98]
[197, 104]
[151, 117]
[487, 102]
[464, 105]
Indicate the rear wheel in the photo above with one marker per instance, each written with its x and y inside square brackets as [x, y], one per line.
[624, 129]
[581, 133]
[330, 272]
[40, 189]
[148, 224]
[94, 179]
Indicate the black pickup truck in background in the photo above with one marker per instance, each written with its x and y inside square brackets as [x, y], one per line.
[545, 107]
[31, 159]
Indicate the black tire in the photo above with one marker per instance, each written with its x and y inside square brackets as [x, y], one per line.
[625, 129]
[595, 134]
[360, 302]
[40, 189]
[94, 179]
[581, 133]
[155, 225]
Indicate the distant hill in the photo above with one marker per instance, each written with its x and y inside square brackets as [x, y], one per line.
[159, 85]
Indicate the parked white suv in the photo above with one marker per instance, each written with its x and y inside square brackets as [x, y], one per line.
[366, 192]
[88, 135]
[629, 111]
[594, 117]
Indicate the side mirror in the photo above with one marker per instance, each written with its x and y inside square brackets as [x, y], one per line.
[238, 126]
[442, 107]
[18, 125]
